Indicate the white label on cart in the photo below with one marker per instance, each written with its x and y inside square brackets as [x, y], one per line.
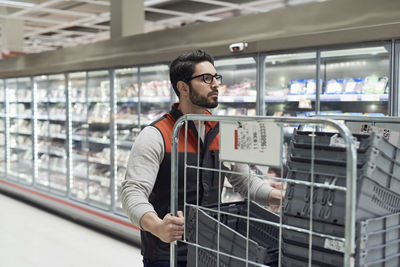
[334, 245]
[251, 141]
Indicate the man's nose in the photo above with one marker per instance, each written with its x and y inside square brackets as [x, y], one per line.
[215, 82]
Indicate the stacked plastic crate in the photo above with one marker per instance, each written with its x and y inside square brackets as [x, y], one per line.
[232, 230]
[320, 157]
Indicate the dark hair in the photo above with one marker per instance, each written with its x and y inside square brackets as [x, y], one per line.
[182, 68]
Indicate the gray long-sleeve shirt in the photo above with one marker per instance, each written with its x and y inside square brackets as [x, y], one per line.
[144, 161]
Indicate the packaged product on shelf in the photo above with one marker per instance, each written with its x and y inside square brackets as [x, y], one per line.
[297, 87]
[78, 92]
[122, 157]
[156, 88]
[79, 189]
[127, 89]
[43, 127]
[375, 85]
[126, 114]
[55, 128]
[121, 174]
[57, 92]
[334, 86]
[353, 85]
[244, 88]
[27, 155]
[251, 112]
[382, 85]
[41, 93]
[22, 94]
[79, 111]
[278, 92]
[100, 112]
[12, 94]
[311, 87]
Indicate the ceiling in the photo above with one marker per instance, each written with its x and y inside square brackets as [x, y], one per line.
[53, 24]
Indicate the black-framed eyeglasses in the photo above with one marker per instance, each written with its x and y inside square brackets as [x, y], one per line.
[208, 78]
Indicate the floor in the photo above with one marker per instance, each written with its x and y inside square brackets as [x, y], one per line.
[33, 237]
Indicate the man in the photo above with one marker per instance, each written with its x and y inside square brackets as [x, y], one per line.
[145, 192]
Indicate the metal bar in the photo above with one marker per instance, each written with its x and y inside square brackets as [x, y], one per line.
[7, 128]
[318, 83]
[35, 134]
[113, 140]
[174, 183]
[391, 92]
[394, 86]
[69, 132]
[260, 80]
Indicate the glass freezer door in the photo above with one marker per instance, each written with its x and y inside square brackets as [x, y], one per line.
[237, 93]
[20, 114]
[90, 113]
[79, 185]
[127, 122]
[290, 84]
[51, 133]
[356, 80]
[155, 93]
[99, 149]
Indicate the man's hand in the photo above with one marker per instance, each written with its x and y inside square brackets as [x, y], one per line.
[274, 197]
[169, 229]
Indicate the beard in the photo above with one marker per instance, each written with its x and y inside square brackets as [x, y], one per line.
[201, 100]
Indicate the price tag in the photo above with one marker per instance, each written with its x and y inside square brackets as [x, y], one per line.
[370, 98]
[227, 99]
[249, 99]
[348, 98]
[293, 98]
[305, 103]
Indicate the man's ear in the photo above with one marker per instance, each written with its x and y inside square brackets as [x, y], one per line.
[183, 88]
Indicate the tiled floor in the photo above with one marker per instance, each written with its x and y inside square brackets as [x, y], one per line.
[31, 237]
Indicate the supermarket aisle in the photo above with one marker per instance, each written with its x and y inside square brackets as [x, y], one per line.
[32, 237]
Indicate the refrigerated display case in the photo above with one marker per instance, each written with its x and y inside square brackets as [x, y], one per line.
[238, 92]
[51, 132]
[19, 92]
[352, 80]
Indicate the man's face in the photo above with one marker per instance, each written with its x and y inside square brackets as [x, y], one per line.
[201, 93]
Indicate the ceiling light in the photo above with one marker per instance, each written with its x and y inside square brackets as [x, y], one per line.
[16, 4]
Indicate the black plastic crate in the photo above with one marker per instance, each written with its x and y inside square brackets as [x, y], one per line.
[324, 139]
[372, 200]
[377, 241]
[331, 259]
[385, 255]
[338, 158]
[288, 261]
[335, 175]
[262, 243]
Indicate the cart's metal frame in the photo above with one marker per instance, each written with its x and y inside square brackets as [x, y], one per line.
[350, 189]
